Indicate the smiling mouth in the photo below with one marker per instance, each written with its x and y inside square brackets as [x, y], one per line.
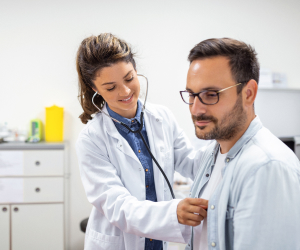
[126, 100]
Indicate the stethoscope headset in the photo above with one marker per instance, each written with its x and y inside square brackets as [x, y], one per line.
[139, 132]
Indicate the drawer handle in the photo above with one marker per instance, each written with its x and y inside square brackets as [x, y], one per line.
[37, 163]
[16, 209]
[37, 190]
[4, 209]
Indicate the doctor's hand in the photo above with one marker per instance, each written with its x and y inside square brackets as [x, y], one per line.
[191, 211]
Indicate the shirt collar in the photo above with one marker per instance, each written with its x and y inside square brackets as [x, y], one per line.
[253, 128]
[128, 122]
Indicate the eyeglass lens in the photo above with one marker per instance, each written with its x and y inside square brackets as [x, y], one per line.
[207, 97]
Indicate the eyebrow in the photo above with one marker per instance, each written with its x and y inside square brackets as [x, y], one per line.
[207, 88]
[106, 83]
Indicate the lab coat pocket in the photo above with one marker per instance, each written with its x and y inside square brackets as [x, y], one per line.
[229, 227]
[102, 241]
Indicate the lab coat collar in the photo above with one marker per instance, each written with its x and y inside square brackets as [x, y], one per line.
[156, 140]
[112, 131]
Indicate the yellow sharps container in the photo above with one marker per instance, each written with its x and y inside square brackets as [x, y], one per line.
[54, 126]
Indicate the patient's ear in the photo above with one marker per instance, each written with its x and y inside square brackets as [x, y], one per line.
[249, 93]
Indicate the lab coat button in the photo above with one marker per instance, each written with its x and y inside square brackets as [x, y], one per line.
[207, 175]
[157, 120]
[213, 244]
[212, 207]
[161, 149]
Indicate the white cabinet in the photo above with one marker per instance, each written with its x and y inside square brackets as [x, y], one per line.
[33, 187]
[4, 227]
[37, 226]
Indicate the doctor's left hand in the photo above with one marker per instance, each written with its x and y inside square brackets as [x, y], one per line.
[191, 211]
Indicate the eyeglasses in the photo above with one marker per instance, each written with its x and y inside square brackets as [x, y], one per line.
[207, 97]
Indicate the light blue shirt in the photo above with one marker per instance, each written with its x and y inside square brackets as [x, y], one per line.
[257, 204]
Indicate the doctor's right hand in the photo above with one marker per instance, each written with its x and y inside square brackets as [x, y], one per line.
[191, 211]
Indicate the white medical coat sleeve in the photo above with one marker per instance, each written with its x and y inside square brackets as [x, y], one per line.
[269, 199]
[105, 190]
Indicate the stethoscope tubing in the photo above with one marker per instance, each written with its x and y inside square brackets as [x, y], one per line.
[148, 149]
[139, 132]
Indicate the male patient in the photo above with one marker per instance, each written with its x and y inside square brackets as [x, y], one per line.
[251, 179]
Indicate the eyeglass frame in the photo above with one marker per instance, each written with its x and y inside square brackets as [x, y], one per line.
[198, 94]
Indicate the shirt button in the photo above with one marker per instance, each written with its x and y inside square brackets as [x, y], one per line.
[227, 159]
[212, 207]
[150, 239]
[139, 151]
[207, 175]
[213, 244]
[132, 121]
[147, 186]
[146, 169]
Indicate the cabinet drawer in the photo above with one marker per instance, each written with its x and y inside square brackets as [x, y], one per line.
[43, 162]
[43, 189]
[31, 189]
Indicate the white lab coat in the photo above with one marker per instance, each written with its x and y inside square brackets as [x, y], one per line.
[114, 182]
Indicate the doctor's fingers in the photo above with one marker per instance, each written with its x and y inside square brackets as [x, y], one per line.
[198, 210]
[193, 220]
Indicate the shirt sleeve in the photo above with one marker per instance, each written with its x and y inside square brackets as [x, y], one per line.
[267, 214]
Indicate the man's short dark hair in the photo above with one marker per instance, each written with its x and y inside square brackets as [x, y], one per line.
[242, 57]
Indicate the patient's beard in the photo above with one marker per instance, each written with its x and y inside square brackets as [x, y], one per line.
[228, 127]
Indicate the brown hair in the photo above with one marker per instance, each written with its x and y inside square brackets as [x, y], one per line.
[95, 53]
[242, 57]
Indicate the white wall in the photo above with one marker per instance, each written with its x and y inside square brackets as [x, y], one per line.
[39, 40]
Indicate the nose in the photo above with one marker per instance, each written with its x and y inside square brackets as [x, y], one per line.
[124, 91]
[197, 107]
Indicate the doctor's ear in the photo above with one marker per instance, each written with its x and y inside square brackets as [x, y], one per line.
[250, 91]
[96, 91]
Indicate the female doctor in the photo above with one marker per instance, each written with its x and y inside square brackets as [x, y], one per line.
[132, 205]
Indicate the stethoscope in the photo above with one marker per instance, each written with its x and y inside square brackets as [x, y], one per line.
[139, 132]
